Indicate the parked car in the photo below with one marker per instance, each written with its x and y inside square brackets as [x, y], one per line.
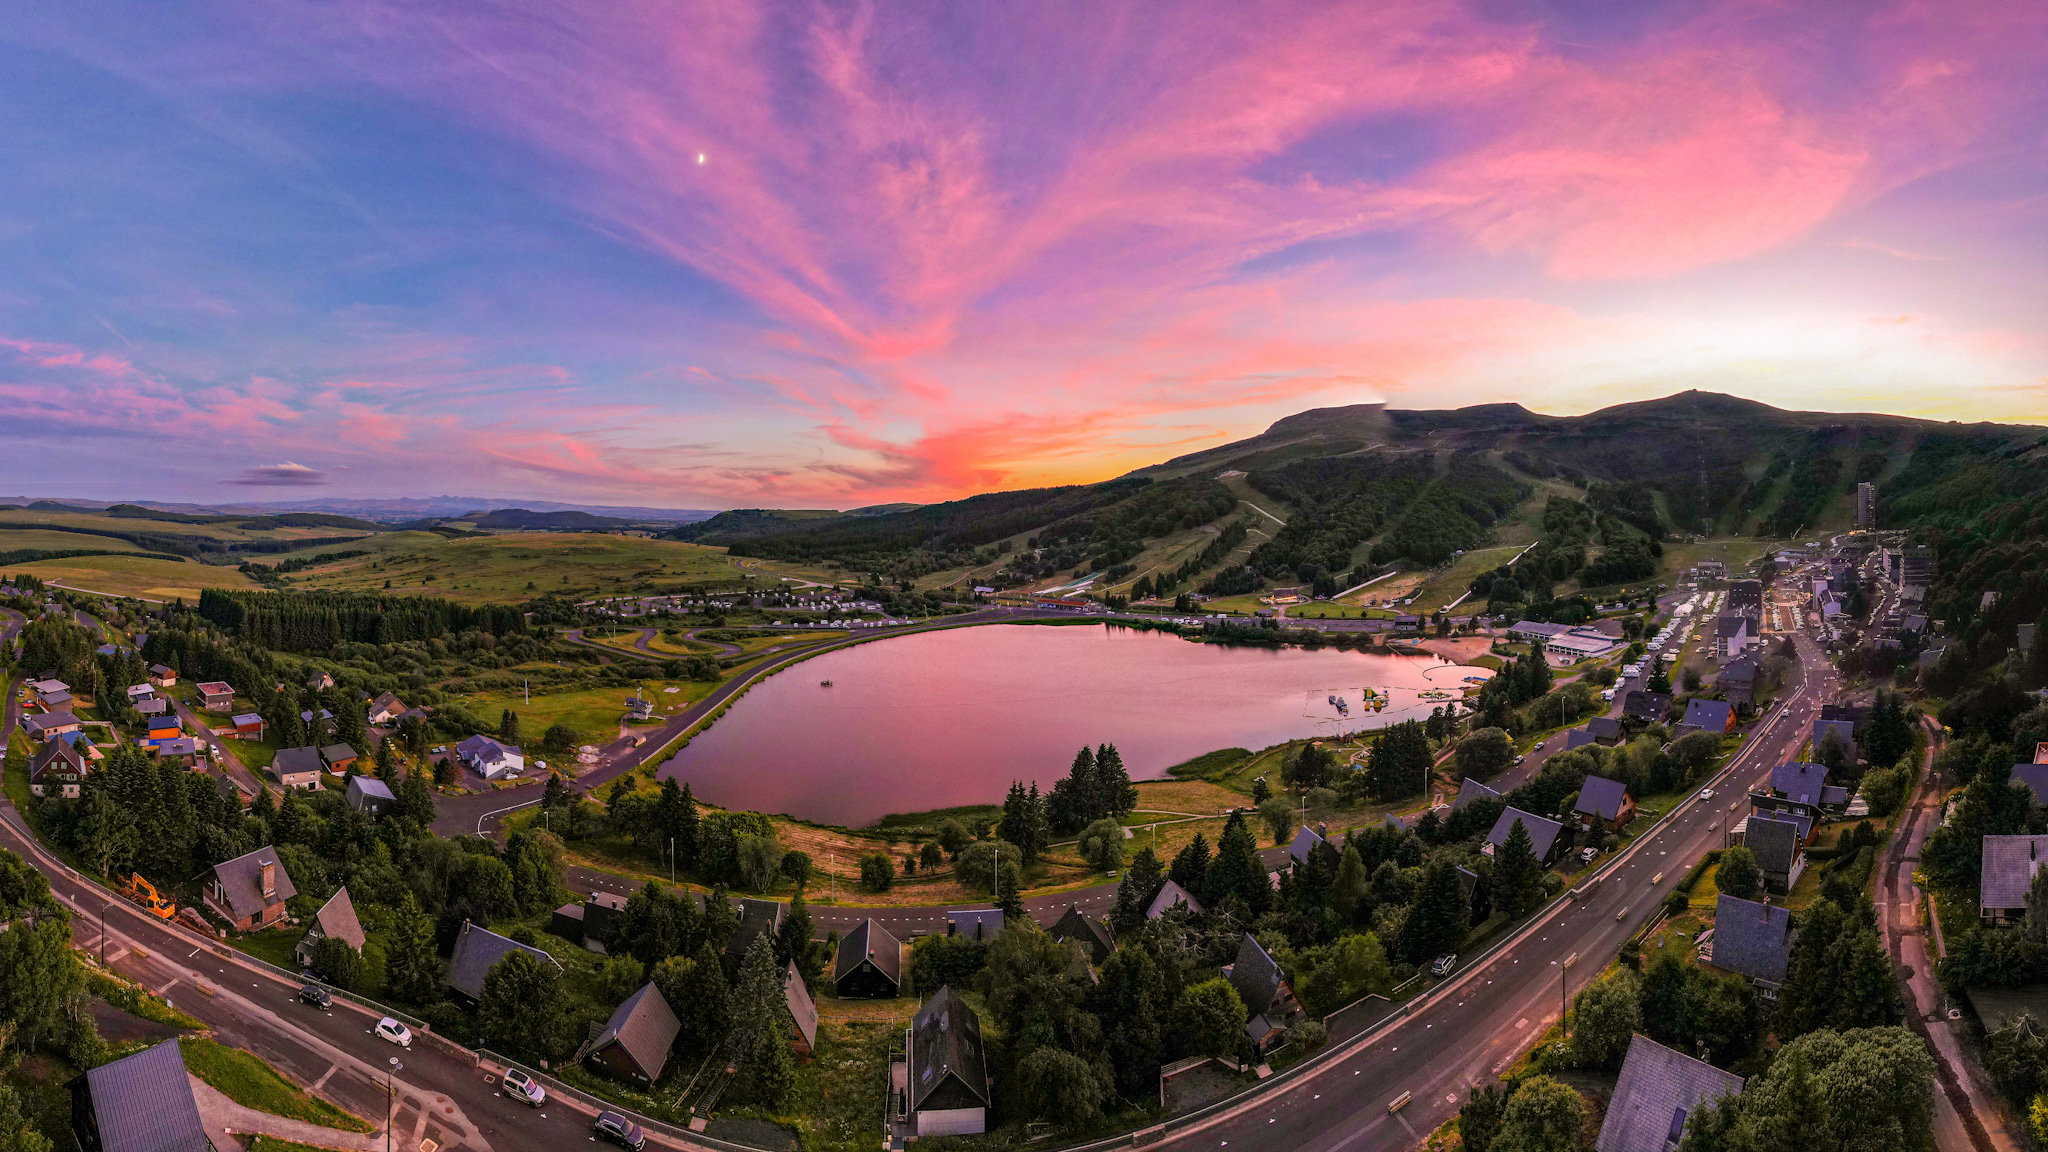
[1586, 855]
[1444, 964]
[612, 1127]
[522, 1087]
[395, 1032]
[440, 748]
[317, 996]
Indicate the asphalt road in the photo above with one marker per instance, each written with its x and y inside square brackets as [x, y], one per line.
[1483, 1018]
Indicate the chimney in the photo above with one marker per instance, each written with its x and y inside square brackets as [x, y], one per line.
[269, 879]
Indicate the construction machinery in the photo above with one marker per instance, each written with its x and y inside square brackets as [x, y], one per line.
[144, 893]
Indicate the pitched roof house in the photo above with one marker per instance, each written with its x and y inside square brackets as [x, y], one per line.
[1738, 679]
[1778, 843]
[297, 767]
[489, 758]
[949, 1083]
[1605, 729]
[1710, 715]
[1577, 738]
[162, 675]
[476, 949]
[1658, 1089]
[57, 769]
[1470, 790]
[250, 890]
[636, 1040]
[338, 758]
[803, 1012]
[385, 708]
[1171, 894]
[1843, 731]
[139, 1103]
[869, 964]
[1266, 994]
[1304, 842]
[2009, 866]
[1097, 938]
[370, 796]
[47, 726]
[1606, 801]
[974, 923]
[757, 918]
[1542, 832]
[1753, 940]
[2034, 777]
[336, 918]
[1646, 706]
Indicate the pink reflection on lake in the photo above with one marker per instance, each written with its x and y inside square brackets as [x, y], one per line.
[941, 719]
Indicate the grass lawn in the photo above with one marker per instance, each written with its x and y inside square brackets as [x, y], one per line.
[511, 567]
[1443, 587]
[837, 1101]
[136, 575]
[133, 1000]
[247, 1080]
[595, 713]
[1706, 894]
[264, 1143]
[1221, 762]
[1325, 610]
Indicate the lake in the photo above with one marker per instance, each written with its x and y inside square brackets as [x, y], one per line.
[949, 718]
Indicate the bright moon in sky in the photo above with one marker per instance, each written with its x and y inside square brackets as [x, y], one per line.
[700, 157]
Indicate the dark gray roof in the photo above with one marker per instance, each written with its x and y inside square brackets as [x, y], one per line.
[337, 918]
[1752, 939]
[1577, 738]
[1658, 1089]
[476, 949]
[946, 1042]
[1601, 797]
[1542, 832]
[873, 942]
[241, 882]
[1801, 782]
[2035, 777]
[292, 761]
[1741, 670]
[2009, 866]
[1604, 727]
[1843, 730]
[1304, 842]
[48, 721]
[1075, 924]
[1774, 842]
[645, 1026]
[1170, 894]
[334, 753]
[143, 1103]
[976, 923]
[1834, 794]
[1255, 976]
[370, 786]
[1712, 715]
[757, 917]
[1645, 705]
[1730, 624]
[1470, 790]
[797, 998]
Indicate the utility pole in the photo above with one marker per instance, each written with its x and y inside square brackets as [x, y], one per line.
[388, 1101]
[103, 933]
[671, 861]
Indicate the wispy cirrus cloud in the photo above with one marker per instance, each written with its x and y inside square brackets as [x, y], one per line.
[285, 475]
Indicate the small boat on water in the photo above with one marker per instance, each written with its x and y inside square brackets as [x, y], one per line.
[824, 683]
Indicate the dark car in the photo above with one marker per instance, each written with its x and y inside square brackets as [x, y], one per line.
[619, 1130]
[317, 996]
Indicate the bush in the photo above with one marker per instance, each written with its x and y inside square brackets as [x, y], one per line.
[877, 872]
[1102, 845]
[1308, 1035]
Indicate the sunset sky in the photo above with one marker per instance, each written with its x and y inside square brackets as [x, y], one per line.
[832, 255]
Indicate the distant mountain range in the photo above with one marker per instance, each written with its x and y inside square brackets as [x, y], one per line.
[397, 510]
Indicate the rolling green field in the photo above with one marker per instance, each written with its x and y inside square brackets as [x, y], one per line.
[1443, 587]
[516, 566]
[134, 575]
[94, 520]
[595, 713]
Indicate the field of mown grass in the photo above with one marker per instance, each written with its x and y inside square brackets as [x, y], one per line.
[247, 1080]
[595, 713]
[134, 575]
[88, 519]
[511, 567]
[1443, 587]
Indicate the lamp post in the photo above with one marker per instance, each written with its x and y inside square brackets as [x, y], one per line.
[1562, 967]
[103, 933]
[388, 1101]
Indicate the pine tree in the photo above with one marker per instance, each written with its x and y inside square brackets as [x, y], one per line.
[793, 938]
[1118, 795]
[1237, 869]
[1141, 882]
[508, 726]
[1352, 886]
[1517, 875]
[1190, 868]
[1040, 834]
[1436, 921]
[412, 970]
[387, 759]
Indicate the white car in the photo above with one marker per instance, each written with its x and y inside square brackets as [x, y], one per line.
[1706, 793]
[522, 1087]
[395, 1032]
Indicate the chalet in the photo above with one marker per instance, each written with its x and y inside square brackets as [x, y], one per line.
[57, 769]
[1094, 935]
[153, 706]
[1171, 894]
[1646, 706]
[338, 758]
[164, 727]
[1543, 834]
[1266, 994]
[1737, 680]
[1751, 940]
[803, 1011]
[370, 796]
[247, 726]
[336, 918]
[949, 1082]
[250, 890]
[181, 750]
[139, 1103]
[1470, 790]
[1304, 842]
[319, 682]
[1605, 729]
[869, 964]
[1842, 730]
[1715, 716]
[140, 692]
[758, 918]
[476, 949]
[1658, 1089]
[1604, 802]
[1577, 738]
[317, 724]
[296, 767]
[216, 696]
[490, 759]
[47, 726]
[2009, 866]
[385, 708]
[1779, 844]
[636, 1040]
[163, 676]
[1808, 784]
[974, 923]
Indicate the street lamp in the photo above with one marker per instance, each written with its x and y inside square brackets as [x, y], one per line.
[104, 905]
[395, 1066]
[1563, 1025]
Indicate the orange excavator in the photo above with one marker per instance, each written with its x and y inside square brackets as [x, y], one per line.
[144, 893]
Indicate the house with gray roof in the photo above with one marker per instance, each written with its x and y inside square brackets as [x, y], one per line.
[758, 918]
[1646, 706]
[803, 1011]
[297, 767]
[139, 1103]
[1267, 996]
[949, 1081]
[2009, 866]
[869, 964]
[44, 727]
[1842, 730]
[250, 890]
[1658, 1089]
[1778, 842]
[489, 758]
[1605, 729]
[1542, 832]
[1753, 940]
[1470, 790]
[974, 923]
[1304, 842]
[370, 796]
[2034, 777]
[1606, 802]
[1577, 738]
[476, 950]
[1171, 894]
[1097, 938]
[1717, 716]
[1737, 680]
[1801, 782]
[336, 918]
[636, 1040]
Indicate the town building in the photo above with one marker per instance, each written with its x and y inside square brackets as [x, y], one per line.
[1738, 680]
[385, 708]
[370, 796]
[476, 950]
[635, 1042]
[869, 964]
[216, 696]
[297, 768]
[250, 890]
[1268, 998]
[489, 758]
[1716, 716]
[1646, 707]
[336, 918]
[139, 1103]
[1658, 1090]
[1866, 506]
[1779, 844]
[948, 1069]
[57, 769]
[44, 727]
